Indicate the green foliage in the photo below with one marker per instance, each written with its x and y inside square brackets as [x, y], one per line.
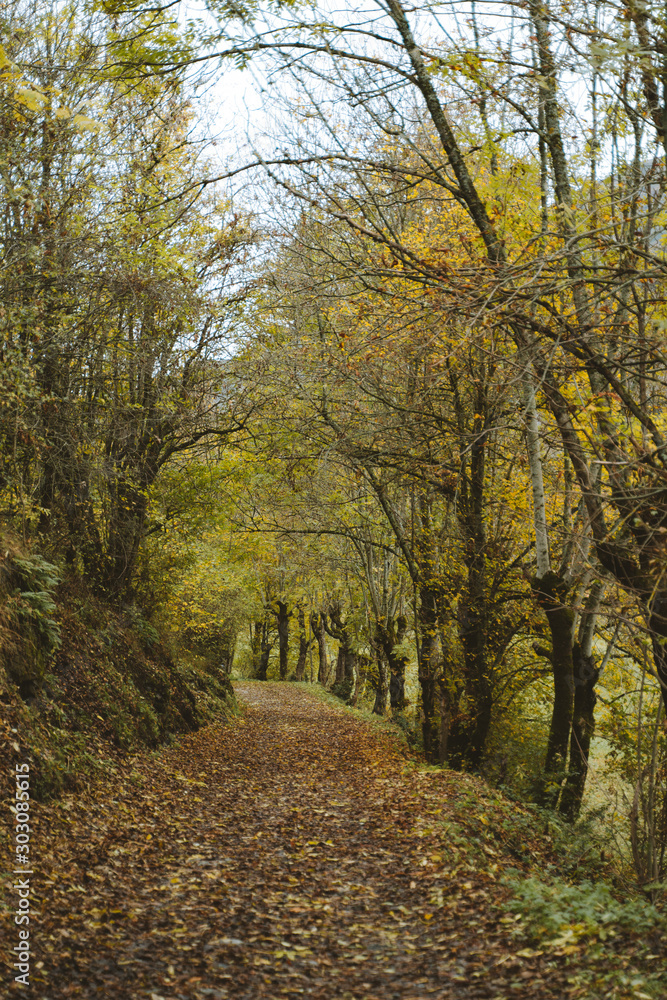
[35, 606]
[144, 40]
[147, 632]
[127, 711]
[32, 633]
[409, 727]
[213, 691]
[343, 690]
[518, 737]
[560, 913]
[379, 405]
[64, 762]
[106, 149]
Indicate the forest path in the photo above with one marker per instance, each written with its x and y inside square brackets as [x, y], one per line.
[292, 853]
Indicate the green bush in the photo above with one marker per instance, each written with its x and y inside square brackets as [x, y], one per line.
[343, 690]
[559, 913]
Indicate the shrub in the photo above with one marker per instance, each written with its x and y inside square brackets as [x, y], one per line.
[559, 913]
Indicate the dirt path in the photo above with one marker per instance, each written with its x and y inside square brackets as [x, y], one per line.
[292, 853]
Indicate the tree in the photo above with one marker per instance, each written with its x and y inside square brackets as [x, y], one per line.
[304, 644]
[406, 422]
[319, 632]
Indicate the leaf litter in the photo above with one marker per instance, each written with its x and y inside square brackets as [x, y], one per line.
[294, 852]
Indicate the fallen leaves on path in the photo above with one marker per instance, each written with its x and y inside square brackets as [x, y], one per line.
[292, 853]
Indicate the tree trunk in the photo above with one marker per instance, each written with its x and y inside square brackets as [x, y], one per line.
[304, 646]
[355, 677]
[542, 554]
[397, 686]
[472, 608]
[318, 630]
[585, 675]
[228, 650]
[125, 533]
[255, 646]
[389, 635]
[340, 666]
[428, 621]
[550, 591]
[472, 632]
[283, 617]
[445, 721]
[349, 671]
[262, 644]
[657, 620]
[381, 686]
[345, 685]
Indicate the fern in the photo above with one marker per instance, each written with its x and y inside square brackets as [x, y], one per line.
[35, 604]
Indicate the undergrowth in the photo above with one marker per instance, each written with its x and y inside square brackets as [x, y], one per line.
[558, 913]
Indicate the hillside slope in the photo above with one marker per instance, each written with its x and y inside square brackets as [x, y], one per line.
[83, 682]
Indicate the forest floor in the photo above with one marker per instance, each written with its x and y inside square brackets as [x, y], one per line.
[295, 851]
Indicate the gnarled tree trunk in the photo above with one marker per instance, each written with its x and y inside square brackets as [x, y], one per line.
[282, 616]
[304, 645]
[550, 591]
[255, 645]
[585, 676]
[381, 685]
[389, 635]
[346, 664]
[318, 630]
[470, 729]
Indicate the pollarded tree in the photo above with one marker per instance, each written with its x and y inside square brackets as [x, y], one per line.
[385, 582]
